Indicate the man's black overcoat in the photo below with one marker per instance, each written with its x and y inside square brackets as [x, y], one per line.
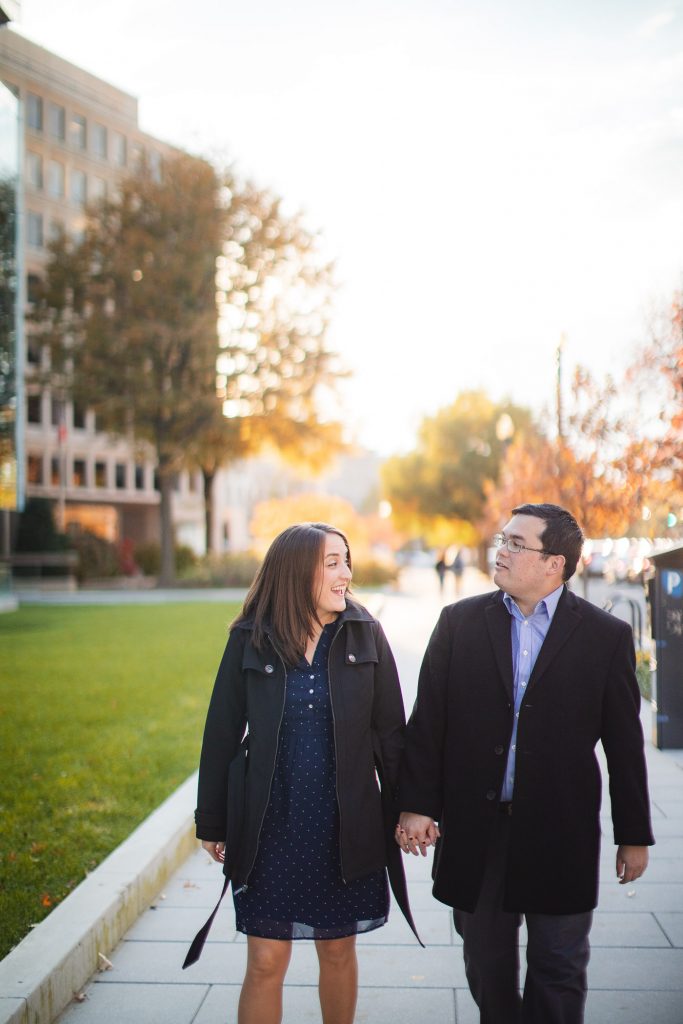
[583, 691]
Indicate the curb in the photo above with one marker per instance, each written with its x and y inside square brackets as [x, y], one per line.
[43, 973]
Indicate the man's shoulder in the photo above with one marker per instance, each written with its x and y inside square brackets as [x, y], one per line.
[590, 613]
[474, 605]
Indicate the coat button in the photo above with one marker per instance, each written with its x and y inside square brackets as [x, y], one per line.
[490, 794]
[269, 669]
[352, 658]
[498, 749]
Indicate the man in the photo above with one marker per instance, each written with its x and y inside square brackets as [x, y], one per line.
[516, 689]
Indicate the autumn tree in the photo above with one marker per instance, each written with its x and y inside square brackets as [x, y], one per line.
[130, 312]
[438, 490]
[275, 369]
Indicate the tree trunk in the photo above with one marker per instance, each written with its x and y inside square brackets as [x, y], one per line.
[209, 477]
[167, 567]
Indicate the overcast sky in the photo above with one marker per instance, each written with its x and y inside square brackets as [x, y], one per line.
[489, 174]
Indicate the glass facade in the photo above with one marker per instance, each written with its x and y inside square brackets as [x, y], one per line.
[11, 305]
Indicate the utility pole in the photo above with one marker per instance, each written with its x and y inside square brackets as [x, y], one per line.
[558, 386]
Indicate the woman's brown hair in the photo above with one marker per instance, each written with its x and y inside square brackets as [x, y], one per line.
[280, 601]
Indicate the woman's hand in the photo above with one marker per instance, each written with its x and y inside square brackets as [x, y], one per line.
[215, 850]
[415, 832]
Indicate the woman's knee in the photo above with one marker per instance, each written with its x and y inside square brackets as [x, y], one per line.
[337, 953]
[268, 959]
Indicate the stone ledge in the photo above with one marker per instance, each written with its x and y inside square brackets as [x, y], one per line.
[41, 975]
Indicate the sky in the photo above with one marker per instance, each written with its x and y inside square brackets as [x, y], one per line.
[488, 175]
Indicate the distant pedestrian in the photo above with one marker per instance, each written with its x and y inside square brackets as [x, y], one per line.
[516, 689]
[440, 567]
[306, 712]
[457, 566]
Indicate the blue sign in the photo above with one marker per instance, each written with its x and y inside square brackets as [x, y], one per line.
[672, 583]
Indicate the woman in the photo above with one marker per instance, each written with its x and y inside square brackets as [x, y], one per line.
[306, 712]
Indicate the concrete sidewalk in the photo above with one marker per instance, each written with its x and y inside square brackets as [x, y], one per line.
[636, 972]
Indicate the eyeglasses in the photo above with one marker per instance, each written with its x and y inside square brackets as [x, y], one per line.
[499, 540]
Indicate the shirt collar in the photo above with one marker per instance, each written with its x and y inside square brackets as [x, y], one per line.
[548, 603]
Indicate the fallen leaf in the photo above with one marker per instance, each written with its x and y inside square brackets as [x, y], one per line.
[162, 896]
[80, 997]
[103, 963]
[46, 899]
[631, 892]
[190, 885]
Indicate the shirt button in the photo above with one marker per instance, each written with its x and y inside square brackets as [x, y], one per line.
[269, 669]
[526, 652]
[513, 747]
[352, 658]
[523, 683]
[311, 677]
[310, 706]
[517, 714]
[310, 691]
[491, 794]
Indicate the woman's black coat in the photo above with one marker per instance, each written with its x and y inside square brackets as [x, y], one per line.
[241, 737]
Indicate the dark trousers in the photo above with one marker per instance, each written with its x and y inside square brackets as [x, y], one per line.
[557, 953]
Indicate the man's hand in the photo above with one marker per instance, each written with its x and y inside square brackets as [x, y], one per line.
[415, 832]
[631, 863]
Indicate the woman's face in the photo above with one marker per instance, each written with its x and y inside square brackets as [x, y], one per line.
[332, 579]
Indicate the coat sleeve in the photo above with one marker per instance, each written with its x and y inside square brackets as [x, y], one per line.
[225, 726]
[421, 776]
[622, 741]
[388, 715]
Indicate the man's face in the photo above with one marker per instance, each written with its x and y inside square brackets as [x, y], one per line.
[525, 575]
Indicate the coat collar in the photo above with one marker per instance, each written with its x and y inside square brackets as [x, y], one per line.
[565, 620]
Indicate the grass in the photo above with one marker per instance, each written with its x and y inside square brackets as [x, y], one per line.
[101, 715]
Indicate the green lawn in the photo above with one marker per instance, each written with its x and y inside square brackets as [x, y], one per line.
[101, 714]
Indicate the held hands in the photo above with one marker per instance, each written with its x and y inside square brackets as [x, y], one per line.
[415, 832]
[631, 863]
[215, 850]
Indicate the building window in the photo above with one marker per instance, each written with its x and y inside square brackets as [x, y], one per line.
[79, 188]
[155, 164]
[55, 473]
[34, 170]
[34, 409]
[33, 351]
[120, 476]
[78, 416]
[58, 413]
[156, 482]
[57, 121]
[137, 155]
[32, 287]
[79, 473]
[55, 179]
[99, 140]
[79, 131]
[120, 149]
[55, 229]
[98, 188]
[34, 229]
[139, 478]
[34, 469]
[100, 474]
[34, 112]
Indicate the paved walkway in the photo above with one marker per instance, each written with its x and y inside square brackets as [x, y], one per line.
[636, 971]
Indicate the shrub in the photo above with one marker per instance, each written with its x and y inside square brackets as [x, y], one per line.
[37, 531]
[373, 574]
[148, 558]
[644, 674]
[232, 569]
[97, 558]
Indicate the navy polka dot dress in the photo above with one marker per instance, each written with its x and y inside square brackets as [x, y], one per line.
[295, 890]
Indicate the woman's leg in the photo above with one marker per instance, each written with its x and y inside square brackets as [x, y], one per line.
[338, 985]
[261, 995]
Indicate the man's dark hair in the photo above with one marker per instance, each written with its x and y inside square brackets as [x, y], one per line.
[561, 535]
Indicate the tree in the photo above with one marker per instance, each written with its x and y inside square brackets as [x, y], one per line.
[275, 370]
[130, 312]
[439, 489]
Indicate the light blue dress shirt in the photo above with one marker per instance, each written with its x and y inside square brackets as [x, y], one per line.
[528, 634]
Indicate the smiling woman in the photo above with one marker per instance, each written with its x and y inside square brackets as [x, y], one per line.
[308, 696]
